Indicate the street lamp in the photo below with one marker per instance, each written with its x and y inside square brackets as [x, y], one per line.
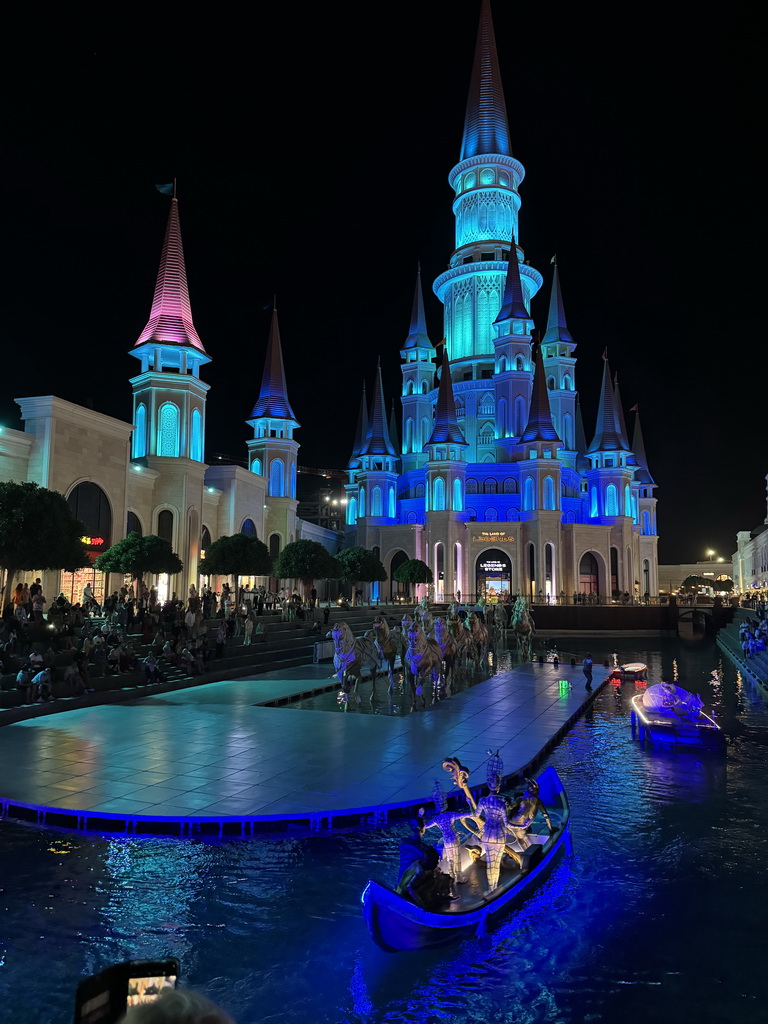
[710, 554]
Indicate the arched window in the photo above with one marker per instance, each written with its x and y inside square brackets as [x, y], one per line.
[502, 418]
[489, 487]
[593, 509]
[392, 510]
[438, 495]
[140, 433]
[256, 466]
[248, 528]
[471, 486]
[568, 430]
[408, 439]
[471, 514]
[519, 363]
[274, 545]
[510, 485]
[458, 503]
[423, 387]
[352, 511]
[196, 440]
[362, 501]
[550, 383]
[165, 525]
[277, 479]
[491, 515]
[611, 500]
[567, 383]
[89, 504]
[513, 515]
[293, 480]
[646, 523]
[168, 430]
[549, 493]
[205, 540]
[376, 501]
[419, 491]
[426, 430]
[133, 524]
[502, 365]
[627, 501]
[411, 518]
[569, 517]
[529, 495]
[521, 415]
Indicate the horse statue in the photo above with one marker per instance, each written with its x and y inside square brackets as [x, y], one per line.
[498, 621]
[389, 644]
[446, 643]
[351, 655]
[423, 657]
[480, 638]
[524, 626]
[462, 639]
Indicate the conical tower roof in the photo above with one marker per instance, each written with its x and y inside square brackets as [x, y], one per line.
[485, 126]
[643, 474]
[273, 397]
[446, 429]
[540, 426]
[557, 329]
[513, 303]
[170, 321]
[362, 425]
[620, 421]
[417, 335]
[377, 440]
[607, 432]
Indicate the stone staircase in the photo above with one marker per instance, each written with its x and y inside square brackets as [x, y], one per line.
[287, 645]
[728, 640]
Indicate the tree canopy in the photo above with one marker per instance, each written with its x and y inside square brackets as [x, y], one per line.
[237, 555]
[139, 555]
[359, 565]
[38, 530]
[305, 560]
[413, 571]
[694, 582]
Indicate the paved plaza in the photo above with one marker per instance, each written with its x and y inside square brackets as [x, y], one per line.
[214, 752]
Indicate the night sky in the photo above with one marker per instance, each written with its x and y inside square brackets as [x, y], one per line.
[312, 151]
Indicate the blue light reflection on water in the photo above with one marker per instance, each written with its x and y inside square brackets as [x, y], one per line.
[658, 912]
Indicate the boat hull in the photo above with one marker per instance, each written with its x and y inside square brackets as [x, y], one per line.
[702, 733]
[397, 924]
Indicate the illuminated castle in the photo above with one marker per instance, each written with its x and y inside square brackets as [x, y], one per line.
[495, 487]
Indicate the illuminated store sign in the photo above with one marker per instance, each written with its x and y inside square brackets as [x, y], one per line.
[492, 537]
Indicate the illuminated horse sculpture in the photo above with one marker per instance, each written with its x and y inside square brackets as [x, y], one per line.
[423, 657]
[389, 644]
[351, 655]
[447, 645]
[479, 633]
[499, 620]
[524, 627]
[462, 639]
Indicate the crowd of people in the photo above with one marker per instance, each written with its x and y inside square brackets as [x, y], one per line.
[753, 633]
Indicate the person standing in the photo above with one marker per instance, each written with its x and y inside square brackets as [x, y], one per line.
[588, 671]
[38, 606]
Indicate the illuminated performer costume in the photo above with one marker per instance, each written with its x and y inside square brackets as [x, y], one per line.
[490, 817]
[521, 815]
[444, 821]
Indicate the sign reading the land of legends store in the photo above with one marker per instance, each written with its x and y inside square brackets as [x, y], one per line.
[492, 537]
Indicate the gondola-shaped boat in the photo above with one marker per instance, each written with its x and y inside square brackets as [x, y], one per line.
[670, 716]
[630, 671]
[396, 923]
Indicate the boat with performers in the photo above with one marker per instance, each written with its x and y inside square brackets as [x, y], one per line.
[668, 715]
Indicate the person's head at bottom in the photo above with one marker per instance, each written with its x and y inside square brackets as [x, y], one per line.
[177, 1006]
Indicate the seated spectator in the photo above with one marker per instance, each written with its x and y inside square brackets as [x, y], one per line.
[151, 668]
[74, 680]
[36, 660]
[43, 686]
[24, 682]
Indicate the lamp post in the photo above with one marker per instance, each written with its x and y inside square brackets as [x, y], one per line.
[711, 554]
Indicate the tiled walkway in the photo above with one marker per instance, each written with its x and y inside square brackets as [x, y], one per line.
[212, 753]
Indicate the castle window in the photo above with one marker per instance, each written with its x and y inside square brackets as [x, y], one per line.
[471, 486]
[277, 479]
[438, 495]
[549, 493]
[489, 487]
[529, 495]
[611, 500]
[140, 433]
[168, 430]
[457, 497]
[196, 440]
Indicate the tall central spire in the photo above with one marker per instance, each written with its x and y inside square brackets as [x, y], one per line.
[485, 126]
[170, 321]
[273, 397]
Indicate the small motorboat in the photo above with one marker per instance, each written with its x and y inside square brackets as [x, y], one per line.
[668, 715]
[630, 672]
[397, 923]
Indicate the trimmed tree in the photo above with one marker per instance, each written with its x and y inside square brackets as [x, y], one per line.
[237, 555]
[359, 565]
[414, 571]
[37, 531]
[305, 560]
[138, 556]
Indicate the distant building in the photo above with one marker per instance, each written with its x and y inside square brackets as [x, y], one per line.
[750, 560]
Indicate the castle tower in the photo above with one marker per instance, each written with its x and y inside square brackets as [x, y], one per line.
[374, 500]
[486, 182]
[643, 487]
[445, 489]
[169, 414]
[560, 371]
[418, 372]
[512, 347]
[351, 487]
[272, 451]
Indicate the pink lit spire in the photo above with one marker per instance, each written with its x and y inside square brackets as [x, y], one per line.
[170, 322]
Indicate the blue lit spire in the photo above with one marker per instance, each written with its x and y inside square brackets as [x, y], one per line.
[417, 335]
[446, 429]
[485, 126]
[643, 474]
[540, 426]
[377, 440]
[557, 329]
[513, 303]
[273, 397]
[607, 432]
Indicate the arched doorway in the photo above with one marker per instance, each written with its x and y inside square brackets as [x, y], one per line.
[493, 575]
[589, 582]
[89, 504]
[397, 591]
